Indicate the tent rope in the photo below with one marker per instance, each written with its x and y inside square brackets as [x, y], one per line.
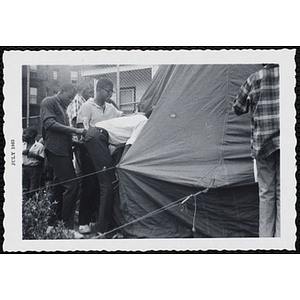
[76, 178]
[194, 217]
[155, 212]
[183, 200]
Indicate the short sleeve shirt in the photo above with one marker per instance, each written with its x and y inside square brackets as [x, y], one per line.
[59, 143]
[95, 113]
[38, 149]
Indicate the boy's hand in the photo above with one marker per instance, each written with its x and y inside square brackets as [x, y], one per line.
[81, 131]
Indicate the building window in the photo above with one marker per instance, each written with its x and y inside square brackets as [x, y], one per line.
[74, 77]
[33, 71]
[33, 68]
[33, 95]
[55, 75]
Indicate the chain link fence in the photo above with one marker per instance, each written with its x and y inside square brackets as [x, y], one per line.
[40, 81]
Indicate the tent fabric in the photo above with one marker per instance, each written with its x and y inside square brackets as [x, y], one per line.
[221, 212]
[160, 80]
[193, 140]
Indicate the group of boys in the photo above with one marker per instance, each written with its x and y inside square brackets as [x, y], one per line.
[99, 136]
[92, 130]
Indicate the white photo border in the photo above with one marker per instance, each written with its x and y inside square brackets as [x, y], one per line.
[13, 61]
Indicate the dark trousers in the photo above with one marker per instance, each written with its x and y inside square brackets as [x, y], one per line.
[65, 190]
[116, 156]
[89, 198]
[47, 174]
[96, 143]
[30, 179]
[78, 168]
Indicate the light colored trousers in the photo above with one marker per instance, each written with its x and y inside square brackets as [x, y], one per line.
[268, 177]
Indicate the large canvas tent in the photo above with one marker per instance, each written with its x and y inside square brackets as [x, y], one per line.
[192, 142]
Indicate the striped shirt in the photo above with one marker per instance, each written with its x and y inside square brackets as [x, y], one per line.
[74, 108]
[260, 94]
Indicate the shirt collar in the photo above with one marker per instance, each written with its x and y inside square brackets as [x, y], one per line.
[80, 97]
[268, 66]
[94, 103]
[58, 100]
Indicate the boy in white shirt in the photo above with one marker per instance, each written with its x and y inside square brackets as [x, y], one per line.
[32, 157]
[103, 143]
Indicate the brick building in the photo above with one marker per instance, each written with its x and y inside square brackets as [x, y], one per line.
[40, 81]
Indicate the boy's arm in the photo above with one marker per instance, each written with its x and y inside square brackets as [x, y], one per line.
[49, 121]
[241, 102]
[38, 157]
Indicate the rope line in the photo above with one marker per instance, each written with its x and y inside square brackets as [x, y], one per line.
[183, 200]
[195, 211]
[155, 212]
[76, 178]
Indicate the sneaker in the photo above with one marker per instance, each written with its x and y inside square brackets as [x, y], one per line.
[85, 229]
[118, 235]
[76, 234]
[70, 233]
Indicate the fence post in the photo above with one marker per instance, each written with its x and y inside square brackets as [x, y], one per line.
[28, 96]
[95, 86]
[118, 86]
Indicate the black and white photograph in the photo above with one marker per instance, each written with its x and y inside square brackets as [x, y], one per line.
[149, 150]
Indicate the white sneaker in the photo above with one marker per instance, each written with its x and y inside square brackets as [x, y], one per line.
[76, 235]
[85, 229]
[118, 235]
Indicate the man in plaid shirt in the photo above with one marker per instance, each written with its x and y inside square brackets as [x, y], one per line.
[83, 94]
[260, 95]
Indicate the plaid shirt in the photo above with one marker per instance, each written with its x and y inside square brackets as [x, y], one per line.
[260, 93]
[74, 107]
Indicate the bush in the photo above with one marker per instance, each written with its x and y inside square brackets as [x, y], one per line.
[37, 211]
